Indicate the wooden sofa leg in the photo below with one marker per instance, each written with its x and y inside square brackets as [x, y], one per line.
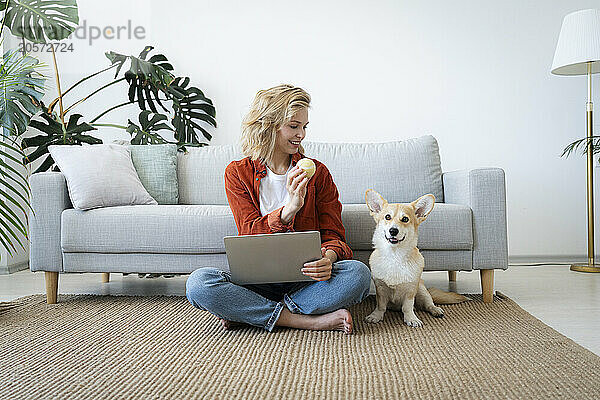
[452, 276]
[487, 284]
[105, 277]
[51, 286]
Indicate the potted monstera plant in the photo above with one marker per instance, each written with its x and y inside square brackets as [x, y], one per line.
[164, 102]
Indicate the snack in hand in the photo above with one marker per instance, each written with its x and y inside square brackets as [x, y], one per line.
[308, 166]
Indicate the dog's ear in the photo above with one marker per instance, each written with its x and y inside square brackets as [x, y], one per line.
[423, 206]
[375, 201]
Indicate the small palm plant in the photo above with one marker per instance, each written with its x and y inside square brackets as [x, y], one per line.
[584, 143]
[22, 89]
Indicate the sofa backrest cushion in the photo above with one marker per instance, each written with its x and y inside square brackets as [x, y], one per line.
[201, 171]
[400, 171]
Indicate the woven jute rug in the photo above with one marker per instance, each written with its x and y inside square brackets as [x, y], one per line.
[161, 347]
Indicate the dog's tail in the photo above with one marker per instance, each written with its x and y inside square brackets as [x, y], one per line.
[441, 297]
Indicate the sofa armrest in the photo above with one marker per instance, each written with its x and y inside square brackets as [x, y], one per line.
[482, 189]
[49, 197]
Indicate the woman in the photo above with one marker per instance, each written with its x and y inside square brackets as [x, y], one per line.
[267, 193]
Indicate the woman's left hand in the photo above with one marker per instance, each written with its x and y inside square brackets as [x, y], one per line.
[319, 270]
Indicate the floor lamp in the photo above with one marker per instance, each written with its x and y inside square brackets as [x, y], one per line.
[578, 53]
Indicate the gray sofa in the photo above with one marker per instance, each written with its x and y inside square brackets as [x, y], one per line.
[465, 231]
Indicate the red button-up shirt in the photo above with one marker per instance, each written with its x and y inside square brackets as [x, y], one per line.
[322, 210]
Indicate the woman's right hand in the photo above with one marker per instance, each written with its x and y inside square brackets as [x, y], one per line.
[296, 187]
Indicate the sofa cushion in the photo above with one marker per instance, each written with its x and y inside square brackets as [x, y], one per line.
[156, 166]
[448, 227]
[401, 171]
[201, 172]
[199, 229]
[148, 229]
[100, 175]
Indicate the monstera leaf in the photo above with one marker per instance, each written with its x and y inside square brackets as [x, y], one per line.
[21, 89]
[191, 108]
[40, 21]
[146, 78]
[12, 187]
[144, 133]
[53, 134]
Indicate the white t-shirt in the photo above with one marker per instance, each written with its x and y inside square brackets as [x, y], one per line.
[272, 192]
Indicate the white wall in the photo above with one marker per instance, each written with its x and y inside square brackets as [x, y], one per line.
[475, 74]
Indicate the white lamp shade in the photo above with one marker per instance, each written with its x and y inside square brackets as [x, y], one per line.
[578, 44]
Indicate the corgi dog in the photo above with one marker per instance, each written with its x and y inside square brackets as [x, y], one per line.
[396, 263]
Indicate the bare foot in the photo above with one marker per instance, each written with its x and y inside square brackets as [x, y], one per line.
[229, 324]
[340, 320]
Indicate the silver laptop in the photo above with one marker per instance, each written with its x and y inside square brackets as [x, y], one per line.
[272, 257]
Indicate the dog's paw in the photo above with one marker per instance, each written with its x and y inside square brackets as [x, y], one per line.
[374, 317]
[414, 322]
[437, 312]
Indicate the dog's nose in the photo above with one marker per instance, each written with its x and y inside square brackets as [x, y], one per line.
[393, 231]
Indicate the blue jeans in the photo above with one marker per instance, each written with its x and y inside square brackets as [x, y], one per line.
[260, 305]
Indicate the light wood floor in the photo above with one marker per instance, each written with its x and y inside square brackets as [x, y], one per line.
[567, 301]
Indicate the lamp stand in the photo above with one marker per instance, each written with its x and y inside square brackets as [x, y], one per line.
[591, 266]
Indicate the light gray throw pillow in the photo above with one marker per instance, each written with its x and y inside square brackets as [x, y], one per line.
[100, 175]
[156, 165]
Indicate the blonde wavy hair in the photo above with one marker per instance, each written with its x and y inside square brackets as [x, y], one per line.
[271, 109]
